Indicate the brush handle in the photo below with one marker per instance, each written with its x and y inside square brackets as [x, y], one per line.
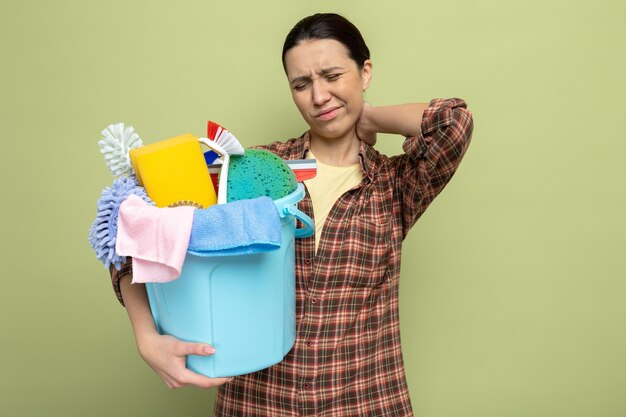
[223, 185]
[221, 191]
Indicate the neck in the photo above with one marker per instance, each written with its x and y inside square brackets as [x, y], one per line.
[338, 152]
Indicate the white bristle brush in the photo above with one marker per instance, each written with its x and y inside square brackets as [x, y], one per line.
[225, 144]
[117, 140]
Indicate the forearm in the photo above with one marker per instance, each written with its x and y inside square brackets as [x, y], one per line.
[138, 308]
[431, 158]
[401, 119]
[166, 355]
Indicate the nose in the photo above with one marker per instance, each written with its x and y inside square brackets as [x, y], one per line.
[320, 92]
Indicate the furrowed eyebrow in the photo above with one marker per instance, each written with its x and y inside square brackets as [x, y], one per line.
[324, 71]
[329, 70]
[300, 79]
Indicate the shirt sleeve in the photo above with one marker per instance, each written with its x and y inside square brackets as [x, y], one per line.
[432, 156]
[117, 274]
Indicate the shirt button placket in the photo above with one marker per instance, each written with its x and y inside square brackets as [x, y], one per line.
[311, 316]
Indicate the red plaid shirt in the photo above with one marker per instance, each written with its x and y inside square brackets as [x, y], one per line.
[347, 360]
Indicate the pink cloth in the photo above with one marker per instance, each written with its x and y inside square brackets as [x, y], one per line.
[157, 238]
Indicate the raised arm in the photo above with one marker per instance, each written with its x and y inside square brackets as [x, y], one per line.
[437, 136]
[401, 119]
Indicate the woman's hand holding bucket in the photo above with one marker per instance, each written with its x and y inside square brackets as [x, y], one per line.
[166, 355]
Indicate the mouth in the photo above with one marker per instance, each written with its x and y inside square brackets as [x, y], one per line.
[327, 114]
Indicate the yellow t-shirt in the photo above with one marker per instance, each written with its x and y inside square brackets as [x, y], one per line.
[327, 186]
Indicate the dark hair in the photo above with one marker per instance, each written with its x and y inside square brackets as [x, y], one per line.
[329, 26]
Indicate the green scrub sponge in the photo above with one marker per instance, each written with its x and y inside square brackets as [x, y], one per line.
[259, 173]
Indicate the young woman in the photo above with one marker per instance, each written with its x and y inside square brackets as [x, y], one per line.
[346, 360]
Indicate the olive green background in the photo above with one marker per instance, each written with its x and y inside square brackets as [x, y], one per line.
[513, 282]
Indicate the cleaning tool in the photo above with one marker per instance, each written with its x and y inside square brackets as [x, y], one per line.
[231, 282]
[243, 305]
[225, 144]
[103, 230]
[210, 157]
[117, 140]
[156, 238]
[259, 173]
[304, 169]
[239, 228]
[174, 172]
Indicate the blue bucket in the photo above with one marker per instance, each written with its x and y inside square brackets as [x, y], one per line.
[243, 305]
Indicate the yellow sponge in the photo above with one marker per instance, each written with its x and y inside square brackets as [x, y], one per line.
[173, 172]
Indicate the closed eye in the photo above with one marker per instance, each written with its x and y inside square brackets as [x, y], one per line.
[300, 86]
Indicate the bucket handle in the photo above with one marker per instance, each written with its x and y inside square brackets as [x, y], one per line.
[308, 228]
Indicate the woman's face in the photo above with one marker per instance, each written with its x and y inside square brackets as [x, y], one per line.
[327, 86]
